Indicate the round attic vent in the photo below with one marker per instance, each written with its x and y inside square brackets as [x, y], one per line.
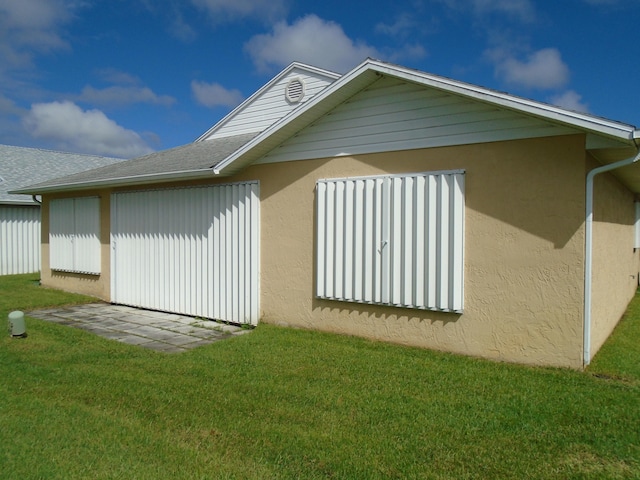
[295, 90]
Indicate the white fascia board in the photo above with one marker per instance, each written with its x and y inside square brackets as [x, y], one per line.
[262, 89]
[117, 182]
[19, 203]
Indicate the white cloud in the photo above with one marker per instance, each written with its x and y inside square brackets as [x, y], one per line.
[571, 100]
[522, 10]
[400, 27]
[8, 106]
[27, 25]
[543, 69]
[127, 91]
[408, 52]
[90, 131]
[113, 75]
[214, 95]
[310, 40]
[221, 10]
[123, 95]
[180, 29]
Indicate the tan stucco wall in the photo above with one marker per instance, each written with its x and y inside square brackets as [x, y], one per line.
[615, 262]
[524, 251]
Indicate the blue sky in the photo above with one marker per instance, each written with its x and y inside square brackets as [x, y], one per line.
[128, 77]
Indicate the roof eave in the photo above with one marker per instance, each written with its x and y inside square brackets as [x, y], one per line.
[117, 182]
[19, 203]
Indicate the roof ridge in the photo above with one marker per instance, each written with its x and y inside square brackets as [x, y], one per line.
[40, 149]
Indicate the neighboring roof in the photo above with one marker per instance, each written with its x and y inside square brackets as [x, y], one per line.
[608, 141]
[20, 166]
[189, 161]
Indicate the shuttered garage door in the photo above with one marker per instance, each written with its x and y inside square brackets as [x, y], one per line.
[188, 250]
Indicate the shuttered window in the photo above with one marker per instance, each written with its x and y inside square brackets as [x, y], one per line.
[74, 235]
[392, 240]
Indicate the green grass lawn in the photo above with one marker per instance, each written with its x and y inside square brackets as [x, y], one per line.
[284, 403]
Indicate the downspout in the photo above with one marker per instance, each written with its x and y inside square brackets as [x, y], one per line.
[588, 247]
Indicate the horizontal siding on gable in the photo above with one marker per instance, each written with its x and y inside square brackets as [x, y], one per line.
[271, 105]
[393, 115]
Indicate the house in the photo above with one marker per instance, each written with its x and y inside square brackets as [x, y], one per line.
[20, 214]
[386, 203]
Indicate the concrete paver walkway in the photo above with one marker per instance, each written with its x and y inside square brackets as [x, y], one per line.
[165, 332]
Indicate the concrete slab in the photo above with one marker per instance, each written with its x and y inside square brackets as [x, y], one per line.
[160, 331]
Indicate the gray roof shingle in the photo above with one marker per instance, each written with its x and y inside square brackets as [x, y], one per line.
[193, 157]
[21, 166]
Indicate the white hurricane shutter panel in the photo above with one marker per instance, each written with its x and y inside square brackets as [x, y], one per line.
[74, 235]
[19, 239]
[392, 240]
[188, 250]
[87, 235]
[61, 231]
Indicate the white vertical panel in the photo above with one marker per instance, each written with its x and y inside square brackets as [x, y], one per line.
[338, 241]
[431, 211]
[456, 302]
[394, 240]
[194, 251]
[19, 239]
[442, 274]
[348, 239]
[419, 247]
[358, 241]
[330, 238]
[636, 243]
[87, 235]
[321, 245]
[369, 245]
[61, 230]
[380, 248]
[74, 235]
[254, 248]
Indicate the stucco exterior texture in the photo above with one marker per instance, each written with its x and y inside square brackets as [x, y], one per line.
[524, 251]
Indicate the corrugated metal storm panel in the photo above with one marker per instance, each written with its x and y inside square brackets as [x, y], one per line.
[188, 250]
[19, 239]
[392, 240]
[393, 115]
[74, 235]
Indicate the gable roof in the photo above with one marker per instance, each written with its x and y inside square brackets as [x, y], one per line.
[20, 166]
[611, 139]
[607, 140]
[268, 104]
